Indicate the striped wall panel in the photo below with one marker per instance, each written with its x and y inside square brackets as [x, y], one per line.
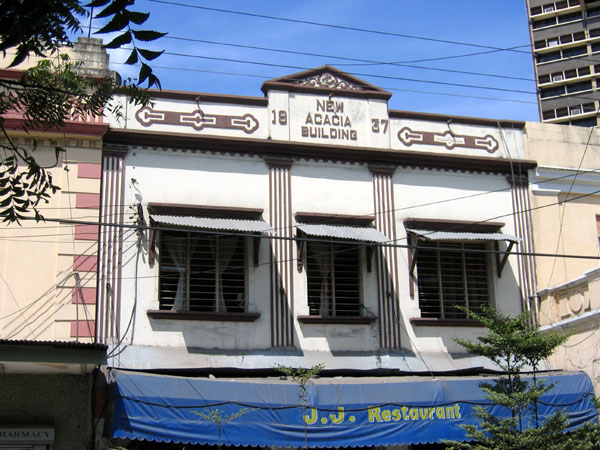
[282, 255]
[522, 224]
[111, 241]
[385, 221]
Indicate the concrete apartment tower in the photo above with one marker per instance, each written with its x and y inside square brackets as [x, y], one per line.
[565, 38]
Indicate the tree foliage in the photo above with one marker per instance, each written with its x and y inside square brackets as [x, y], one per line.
[56, 90]
[518, 349]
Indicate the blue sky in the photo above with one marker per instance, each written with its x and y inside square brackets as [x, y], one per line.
[481, 22]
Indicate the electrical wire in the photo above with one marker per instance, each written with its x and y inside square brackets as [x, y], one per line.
[346, 58]
[340, 27]
[268, 77]
[358, 74]
[567, 196]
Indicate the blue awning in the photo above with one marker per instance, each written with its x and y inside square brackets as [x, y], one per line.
[339, 412]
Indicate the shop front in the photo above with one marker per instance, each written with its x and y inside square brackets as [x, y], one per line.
[26, 437]
[329, 412]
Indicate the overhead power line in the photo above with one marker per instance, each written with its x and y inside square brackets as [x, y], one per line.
[358, 74]
[391, 243]
[464, 55]
[364, 62]
[339, 27]
[268, 77]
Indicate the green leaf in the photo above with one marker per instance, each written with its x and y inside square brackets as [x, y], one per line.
[117, 23]
[137, 17]
[149, 54]
[133, 58]
[120, 40]
[147, 35]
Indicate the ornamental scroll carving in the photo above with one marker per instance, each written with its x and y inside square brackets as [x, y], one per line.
[330, 81]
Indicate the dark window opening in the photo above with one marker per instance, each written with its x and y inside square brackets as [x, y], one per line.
[450, 275]
[552, 92]
[201, 273]
[544, 79]
[578, 87]
[570, 17]
[553, 56]
[582, 71]
[544, 23]
[593, 12]
[547, 115]
[333, 275]
[587, 122]
[575, 51]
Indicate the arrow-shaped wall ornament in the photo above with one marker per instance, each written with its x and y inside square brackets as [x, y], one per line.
[198, 120]
[447, 139]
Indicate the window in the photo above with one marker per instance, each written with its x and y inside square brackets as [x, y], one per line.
[552, 92]
[336, 258]
[593, 12]
[552, 56]
[333, 279]
[451, 265]
[589, 122]
[575, 51]
[553, 42]
[583, 71]
[451, 274]
[570, 17]
[203, 255]
[202, 273]
[578, 87]
[544, 23]
[548, 114]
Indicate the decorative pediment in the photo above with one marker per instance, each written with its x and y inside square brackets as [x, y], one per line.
[326, 79]
[329, 81]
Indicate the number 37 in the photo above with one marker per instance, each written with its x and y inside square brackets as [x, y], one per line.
[379, 125]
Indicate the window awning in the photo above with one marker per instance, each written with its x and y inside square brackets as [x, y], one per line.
[463, 236]
[212, 223]
[451, 236]
[256, 226]
[339, 412]
[364, 234]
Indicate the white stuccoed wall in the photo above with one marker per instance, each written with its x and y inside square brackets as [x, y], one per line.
[318, 186]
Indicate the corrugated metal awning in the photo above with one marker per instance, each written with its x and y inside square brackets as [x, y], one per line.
[364, 234]
[211, 223]
[463, 236]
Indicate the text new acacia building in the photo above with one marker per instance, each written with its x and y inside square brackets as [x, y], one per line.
[565, 37]
[312, 226]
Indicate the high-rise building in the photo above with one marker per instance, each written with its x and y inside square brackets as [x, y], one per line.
[566, 49]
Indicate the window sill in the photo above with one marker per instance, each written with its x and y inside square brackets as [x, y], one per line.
[435, 322]
[349, 320]
[196, 315]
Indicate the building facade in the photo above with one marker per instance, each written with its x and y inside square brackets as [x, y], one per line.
[565, 37]
[48, 350]
[312, 228]
[565, 200]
